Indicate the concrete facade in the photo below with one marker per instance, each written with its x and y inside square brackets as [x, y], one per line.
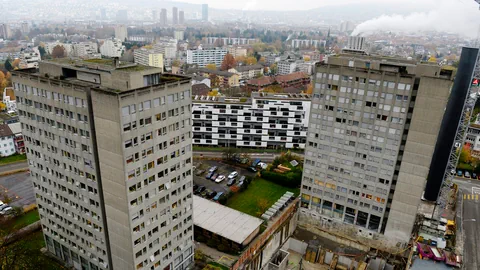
[203, 57]
[372, 133]
[116, 160]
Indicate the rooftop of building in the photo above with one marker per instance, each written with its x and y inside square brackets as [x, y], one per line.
[5, 130]
[99, 64]
[223, 221]
[254, 95]
[247, 67]
[15, 128]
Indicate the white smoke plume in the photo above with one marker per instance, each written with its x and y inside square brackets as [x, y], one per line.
[458, 17]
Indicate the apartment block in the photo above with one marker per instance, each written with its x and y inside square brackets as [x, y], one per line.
[166, 46]
[286, 67]
[121, 32]
[224, 41]
[203, 57]
[109, 151]
[373, 127]
[85, 49]
[263, 121]
[112, 48]
[306, 43]
[148, 58]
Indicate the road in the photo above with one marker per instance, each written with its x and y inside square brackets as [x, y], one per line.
[469, 194]
[17, 187]
[14, 166]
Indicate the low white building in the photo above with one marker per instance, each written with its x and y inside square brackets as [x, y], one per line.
[286, 67]
[29, 59]
[263, 121]
[7, 145]
[85, 49]
[9, 100]
[167, 47]
[201, 79]
[148, 58]
[202, 57]
[247, 72]
[112, 48]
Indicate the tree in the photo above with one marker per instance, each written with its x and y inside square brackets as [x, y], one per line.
[251, 60]
[240, 59]
[230, 153]
[58, 52]
[213, 93]
[42, 51]
[274, 88]
[211, 66]
[273, 68]
[8, 65]
[2, 106]
[214, 80]
[432, 59]
[306, 58]
[228, 62]
[176, 63]
[262, 59]
[16, 64]
[309, 90]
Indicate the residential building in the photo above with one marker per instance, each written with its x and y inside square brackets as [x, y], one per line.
[16, 129]
[112, 48]
[121, 33]
[9, 100]
[141, 38]
[67, 46]
[163, 16]
[314, 56]
[473, 136]
[7, 146]
[263, 121]
[237, 51]
[306, 43]
[200, 80]
[202, 57]
[148, 58]
[111, 144]
[205, 12]
[225, 41]
[175, 15]
[179, 35]
[29, 58]
[5, 31]
[298, 80]
[167, 47]
[373, 128]
[181, 18]
[286, 67]
[200, 89]
[247, 72]
[218, 78]
[86, 49]
[305, 67]
[24, 28]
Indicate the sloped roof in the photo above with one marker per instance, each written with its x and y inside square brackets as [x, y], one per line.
[200, 89]
[291, 77]
[247, 68]
[261, 81]
[15, 128]
[5, 130]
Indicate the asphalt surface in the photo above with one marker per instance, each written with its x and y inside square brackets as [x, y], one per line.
[14, 166]
[266, 157]
[223, 169]
[469, 194]
[19, 188]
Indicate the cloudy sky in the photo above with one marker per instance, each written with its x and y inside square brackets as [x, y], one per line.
[309, 4]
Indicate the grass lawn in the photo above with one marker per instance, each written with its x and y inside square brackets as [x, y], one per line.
[219, 266]
[13, 158]
[248, 200]
[21, 221]
[464, 166]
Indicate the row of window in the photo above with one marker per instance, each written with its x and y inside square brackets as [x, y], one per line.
[73, 101]
[146, 105]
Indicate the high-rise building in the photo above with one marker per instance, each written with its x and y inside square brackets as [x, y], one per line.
[181, 17]
[175, 15]
[103, 14]
[373, 126]
[5, 31]
[121, 32]
[163, 16]
[205, 12]
[24, 28]
[154, 15]
[122, 15]
[179, 35]
[202, 57]
[111, 162]
[148, 58]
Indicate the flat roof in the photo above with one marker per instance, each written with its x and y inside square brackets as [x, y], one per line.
[221, 220]
[15, 128]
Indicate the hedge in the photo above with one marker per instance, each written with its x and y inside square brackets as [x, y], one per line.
[290, 180]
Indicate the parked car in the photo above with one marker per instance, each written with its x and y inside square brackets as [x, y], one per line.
[7, 210]
[209, 175]
[252, 169]
[214, 176]
[240, 184]
[231, 182]
[3, 206]
[467, 174]
[474, 176]
[199, 190]
[233, 175]
[211, 194]
[204, 193]
[459, 173]
[199, 172]
[217, 197]
[242, 178]
[262, 165]
[213, 169]
[220, 178]
[195, 187]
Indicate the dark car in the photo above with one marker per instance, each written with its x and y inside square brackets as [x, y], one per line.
[242, 178]
[209, 175]
[214, 176]
[210, 194]
[231, 181]
[199, 190]
[252, 169]
[195, 187]
[240, 184]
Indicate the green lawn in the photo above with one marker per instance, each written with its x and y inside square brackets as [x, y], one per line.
[464, 166]
[13, 158]
[260, 189]
[21, 221]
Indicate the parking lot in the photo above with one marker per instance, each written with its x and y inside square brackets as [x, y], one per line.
[18, 187]
[223, 169]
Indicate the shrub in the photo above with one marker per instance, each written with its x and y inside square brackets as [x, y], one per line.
[212, 243]
[200, 238]
[291, 179]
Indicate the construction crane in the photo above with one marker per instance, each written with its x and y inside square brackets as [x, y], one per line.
[446, 197]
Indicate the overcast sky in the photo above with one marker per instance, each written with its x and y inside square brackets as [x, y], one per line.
[309, 4]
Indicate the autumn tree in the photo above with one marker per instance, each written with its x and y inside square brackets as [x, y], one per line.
[240, 59]
[306, 58]
[274, 88]
[213, 93]
[58, 52]
[211, 66]
[251, 60]
[262, 59]
[214, 80]
[273, 68]
[16, 63]
[176, 63]
[228, 62]
[309, 90]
